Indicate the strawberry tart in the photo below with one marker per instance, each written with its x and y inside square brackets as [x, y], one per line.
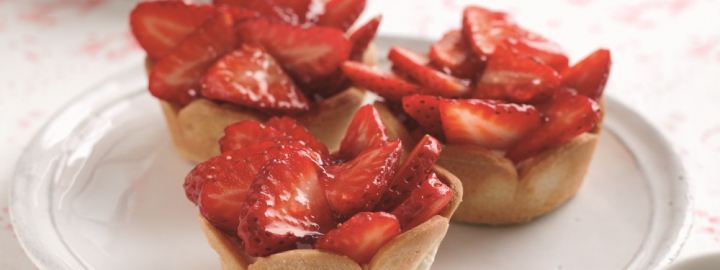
[519, 122]
[276, 199]
[215, 64]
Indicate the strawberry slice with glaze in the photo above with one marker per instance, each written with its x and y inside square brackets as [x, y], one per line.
[294, 131]
[249, 76]
[160, 26]
[567, 116]
[289, 11]
[220, 203]
[358, 184]
[219, 185]
[227, 167]
[424, 110]
[361, 37]
[176, 76]
[361, 236]
[384, 83]
[286, 206]
[246, 134]
[588, 77]
[416, 66]
[366, 129]
[452, 55]
[306, 53]
[515, 77]
[416, 168]
[486, 30]
[487, 124]
[425, 201]
[341, 14]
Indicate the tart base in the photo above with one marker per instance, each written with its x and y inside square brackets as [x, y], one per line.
[498, 193]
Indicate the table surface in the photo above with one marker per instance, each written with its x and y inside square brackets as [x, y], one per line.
[666, 65]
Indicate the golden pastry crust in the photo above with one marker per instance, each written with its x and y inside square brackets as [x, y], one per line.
[497, 192]
[406, 251]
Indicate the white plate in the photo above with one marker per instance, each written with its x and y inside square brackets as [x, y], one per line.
[100, 188]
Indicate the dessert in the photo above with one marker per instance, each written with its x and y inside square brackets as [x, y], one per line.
[520, 124]
[276, 198]
[215, 64]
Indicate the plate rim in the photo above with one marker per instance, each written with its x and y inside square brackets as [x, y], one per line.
[50, 260]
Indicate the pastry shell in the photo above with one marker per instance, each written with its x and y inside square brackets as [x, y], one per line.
[497, 192]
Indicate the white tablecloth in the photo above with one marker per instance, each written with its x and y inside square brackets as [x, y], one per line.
[666, 65]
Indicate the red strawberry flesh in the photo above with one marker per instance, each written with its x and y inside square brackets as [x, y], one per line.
[426, 200]
[424, 110]
[285, 206]
[160, 26]
[306, 53]
[250, 77]
[567, 116]
[495, 126]
[366, 130]
[341, 14]
[176, 76]
[516, 78]
[416, 66]
[417, 167]
[362, 36]
[361, 236]
[589, 75]
[358, 184]
[452, 55]
[384, 83]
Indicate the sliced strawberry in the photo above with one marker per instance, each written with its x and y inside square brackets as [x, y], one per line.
[326, 86]
[361, 236]
[289, 11]
[294, 11]
[424, 109]
[495, 126]
[227, 167]
[295, 131]
[416, 66]
[416, 168]
[384, 83]
[476, 25]
[218, 186]
[487, 30]
[220, 202]
[362, 36]
[365, 130]
[285, 206]
[426, 200]
[567, 116]
[160, 26]
[306, 53]
[246, 134]
[358, 184]
[452, 55]
[589, 75]
[341, 14]
[176, 77]
[240, 14]
[542, 50]
[514, 77]
[249, 76]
